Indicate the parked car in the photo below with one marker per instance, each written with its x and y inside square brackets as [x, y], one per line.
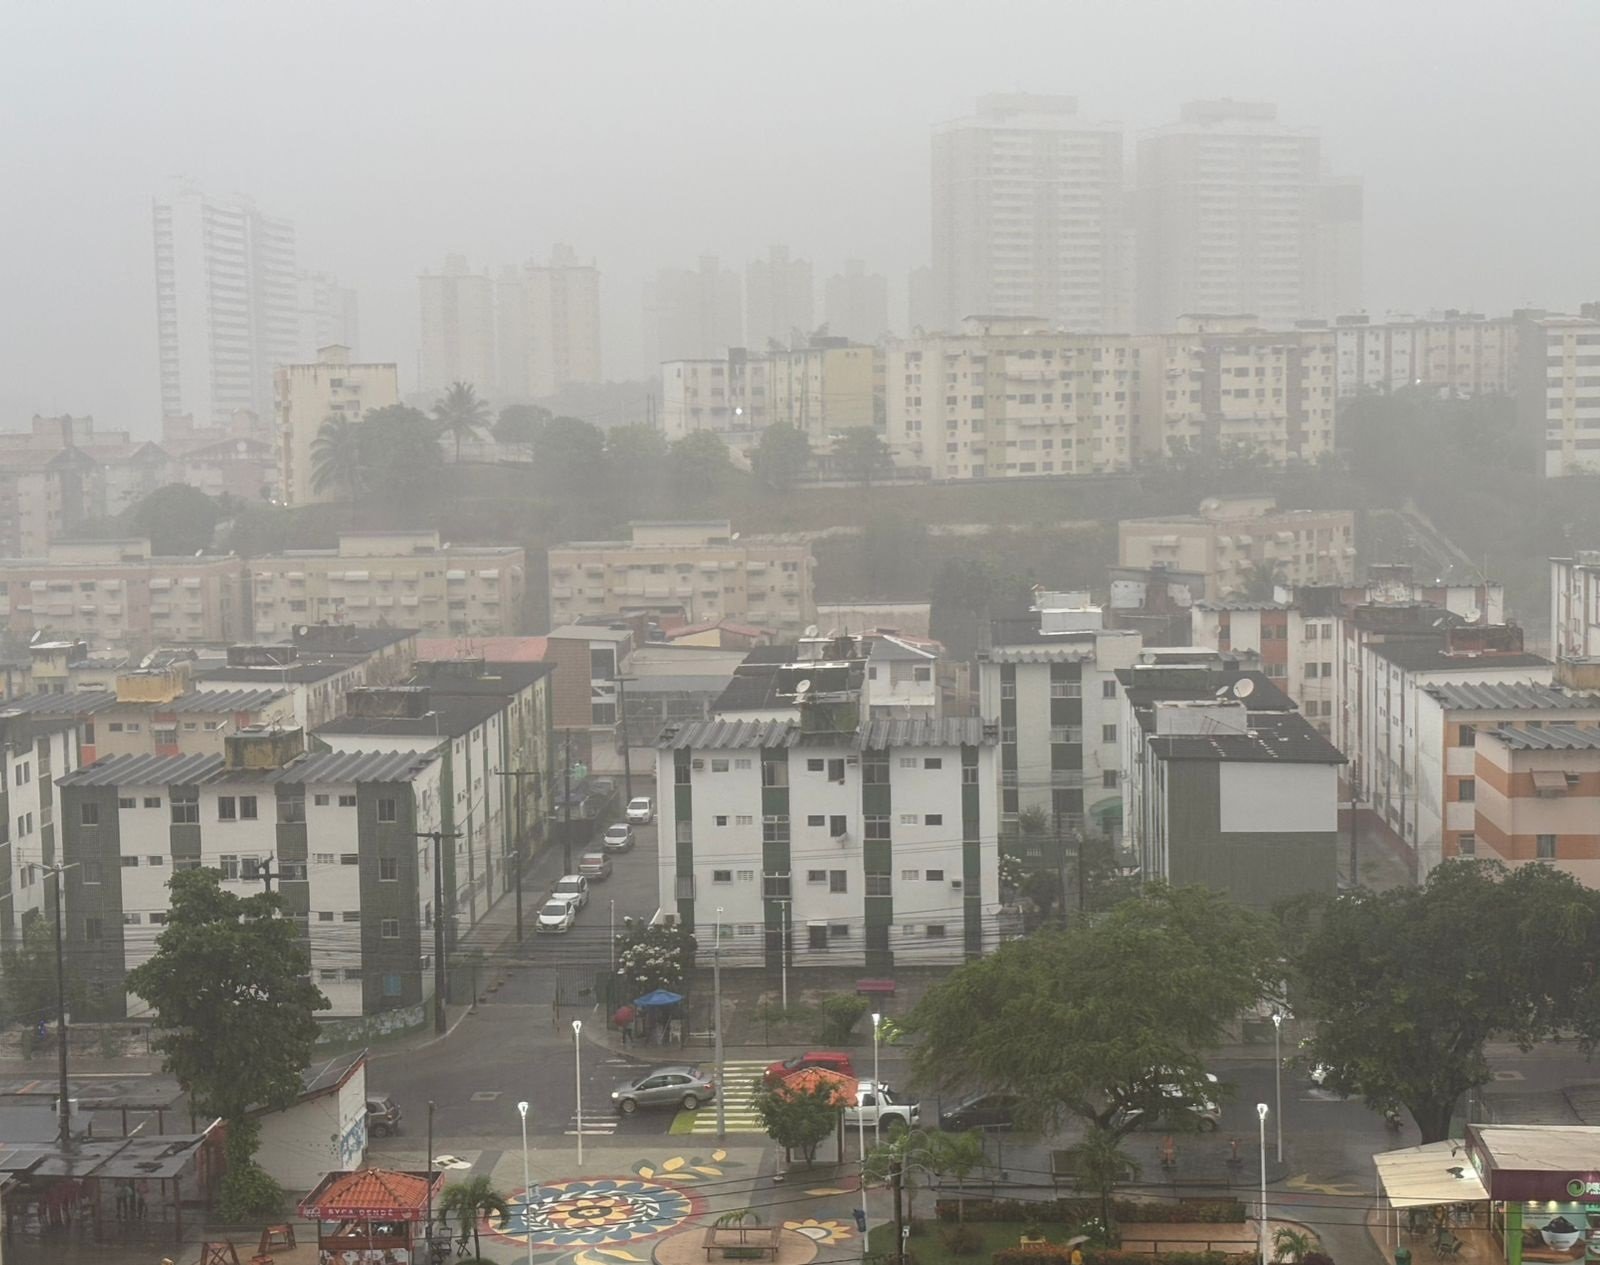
[641, 812]
[981, 1111]
[618, 837]
[556, 915]
[684, 1086]
[877, 1104]
[833, 1060]
[594, 866]
[573, 887]
[383, 1115]
[1204, 1113]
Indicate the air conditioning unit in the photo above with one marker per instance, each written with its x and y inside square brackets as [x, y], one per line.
[955, 882]
[852, 759]
[697, 764]
[842, 840]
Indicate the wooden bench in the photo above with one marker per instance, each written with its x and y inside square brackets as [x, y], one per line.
[742, 1243]
[874, 988]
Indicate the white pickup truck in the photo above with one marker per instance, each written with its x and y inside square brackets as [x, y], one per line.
[877, 1103]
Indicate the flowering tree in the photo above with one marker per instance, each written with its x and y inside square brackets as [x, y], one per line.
[655, 957]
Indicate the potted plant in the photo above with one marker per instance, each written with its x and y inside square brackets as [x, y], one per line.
[1032, 1233]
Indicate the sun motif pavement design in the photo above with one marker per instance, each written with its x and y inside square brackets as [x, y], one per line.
[825, 1230]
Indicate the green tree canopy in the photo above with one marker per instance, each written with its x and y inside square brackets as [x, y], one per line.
[652, 957]
[28, 967]
[461, 414]
[570, 454]
[470, 1202]
[178, 519]
[699, 463]
[1096, 1021]
[1408, 985]
[337, 460]
[781, 456]
[861, 454]
[521, 424]
[798, 1118]
[638, 457]
[400, 453]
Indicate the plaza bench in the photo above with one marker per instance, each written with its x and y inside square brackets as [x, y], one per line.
[742, 1243]
[874, 988]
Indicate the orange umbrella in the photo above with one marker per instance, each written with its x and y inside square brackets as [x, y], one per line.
[808, 1079]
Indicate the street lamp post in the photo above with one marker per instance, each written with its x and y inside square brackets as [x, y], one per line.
[613, 923]
[877, 1018]
[527, 1190]
[577, 1073]
[63, 1102]
[1261, 1212]
[1277, 1077]
[861, 1147]
[716, 1005]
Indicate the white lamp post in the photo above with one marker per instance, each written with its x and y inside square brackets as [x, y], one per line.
[861, 1146]
[716, 1002]
[876, 1020]
[1261, 1214]
[1277, 1077]
[577, 1073]
[527, 1190]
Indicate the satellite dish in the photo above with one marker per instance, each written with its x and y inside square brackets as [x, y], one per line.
[1224, 691]
[811, 630]
[1474, 615]
[1243, 689]
[803, 688]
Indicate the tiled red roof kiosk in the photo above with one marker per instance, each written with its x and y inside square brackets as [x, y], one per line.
[372, 1210]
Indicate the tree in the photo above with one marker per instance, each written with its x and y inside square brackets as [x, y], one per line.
[1100, 1164]
[781, 456]
[470, 1202]
[1406, 996]
[1107, 1022]
[1291, 1245]
[461, 414]
[178, 519]
[521, 424]
[654, 957]
[229, 989]
[861, 454]
[638, 457]
[400, 451]
[699, 463]
[29, 970]
[337, 460]
[798, 1118]
[570, 454]
[1259, 582]
[956, 1155]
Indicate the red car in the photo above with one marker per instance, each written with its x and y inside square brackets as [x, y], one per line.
[833, 1060]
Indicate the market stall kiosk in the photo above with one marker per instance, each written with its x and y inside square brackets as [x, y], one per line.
[372, 1216]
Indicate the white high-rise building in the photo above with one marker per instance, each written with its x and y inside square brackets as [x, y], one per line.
[458, 329]
[327, 314]
[1236, 217]
[563, 322]
[1028, 215]
[692, 315]
[856, 304]
[779, 299]
[226, 303]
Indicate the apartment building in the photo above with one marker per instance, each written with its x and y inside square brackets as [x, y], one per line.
[329, 314]
[1538, 797]
[458, 327]
[338, 830]
[1238, 541]
[1235, 214]
[692, 314]
[1012, 398]
[34, 751]
[589, 659]
[779, 299]
[1049, 677]
[855, 304]
[696, 570]
[405, 577]
[1295, 650]
[1030, 216]
[226, 303]
[562, 313]
[238, 459]
[116, 594]
[1457, 354]
[824, 387]
[1575, 606]
[828, 839]
[316, 685]
[1558, 391]
[308, 395]
[729, 395]
[1225, 382]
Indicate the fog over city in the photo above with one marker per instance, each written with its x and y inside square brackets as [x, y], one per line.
[646, 135]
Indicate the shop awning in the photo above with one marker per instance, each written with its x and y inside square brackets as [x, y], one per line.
[1435, 1173]
[1550, 780]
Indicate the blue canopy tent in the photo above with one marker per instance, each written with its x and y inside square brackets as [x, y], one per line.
[661, 997]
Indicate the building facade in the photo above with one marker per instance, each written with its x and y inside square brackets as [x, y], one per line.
[1575, 606]
[308, 395]
[226, 303]
[1029, 215]
[1458, 354]
[1295, 649]
[728, 395]
[1558, 390]
[329, 315]
[458, 327]
[34, 751]
[562, 315]
[855, 304]
[1539, 797]
[692, 314]
[779, 299]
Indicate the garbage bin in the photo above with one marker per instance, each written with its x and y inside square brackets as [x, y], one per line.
[1402, 1256]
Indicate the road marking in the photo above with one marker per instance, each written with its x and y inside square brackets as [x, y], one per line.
[741, 1082]
[486, 1095]
[1304, 1184]
[591, 1125]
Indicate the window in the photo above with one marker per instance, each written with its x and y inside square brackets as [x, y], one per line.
[352, 974]
[816, 819]
[250, 869]
[291, 804]
[1108, 733]
[969, 774]
[91, 928]
[386, 809]
[129, 802]
[1108, 689]
[391, 985]
[230, 867]
[328, 974]
[1066, 689]
[349, 858]
[722, 876]
[1310, 669]
[908, 819]
[1545, 847]
[740, 764]
[879, 885]
[1469, 736]
[347, 801]
[719, 766]
[876, 828]
[91, 872]
[838, 931]
[388, 869]
[935, 931]
[155, 861]
[775, 829]
[152, 801]
[747, 876]
[89, 814]
[911, 875]
[875, 768]
[1066, 733]
[775, 886]
[185, 806]
[933, 819]
[1467, 845]
[351, 915]
[933, 876]
[227, 810]
[838, 881]
[743, 819]
[774, 773]
[1468, 790]
[837, 827]
[324, 915]
[815, 766]
[22, 773]
[158, 920]
[836, 770]
[322, 858]
[933, 762]
[816, 876]
[1008, 689]
[130, 863]
[292, 870]
[321, 801]
[817, 935]
[389, 929]
[908, 762]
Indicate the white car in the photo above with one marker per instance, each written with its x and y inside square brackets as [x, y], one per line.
[618, 837]
[877, 1103]
[641, 812]
[1204, 1112]
[573, 887]
[557, 915]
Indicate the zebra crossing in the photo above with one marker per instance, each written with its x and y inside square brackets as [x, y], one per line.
[591, 1124]
[741, 1079]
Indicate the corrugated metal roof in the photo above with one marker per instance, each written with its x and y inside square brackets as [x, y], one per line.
[1550, 737]
[351, 766]
[145, 770]
[223, 700]
[1240, 604]
[718, 735]
[1509, 696]
[956, 731]
[77, 703]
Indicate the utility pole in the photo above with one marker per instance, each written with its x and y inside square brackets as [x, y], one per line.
[1355, 802]
[622, 725]
[716, 1002]
[438, 837]
[519, 774]
[265, 873]
[63, 1107]
[566, 806]
[783, 958]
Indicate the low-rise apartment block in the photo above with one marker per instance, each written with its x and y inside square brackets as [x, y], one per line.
[693, 571]
[306, 396]
[1239, 543]
[728, 395]
[340, 833]
[1459, 355]
[1575, 606]
[1295, 649]
[1558, 389]
[405, 578]
[1538, 797]
[34, 751]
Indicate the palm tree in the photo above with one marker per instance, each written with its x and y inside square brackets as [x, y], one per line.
[738, 1219]
[1100, 1164]
[956, 1154]
[470, 1201]
[1291, 1245]
[336, 456]
[461, 413]
[1258, 581]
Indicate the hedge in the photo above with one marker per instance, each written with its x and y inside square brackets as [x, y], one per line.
[1056, 1254]
[1075, 1211]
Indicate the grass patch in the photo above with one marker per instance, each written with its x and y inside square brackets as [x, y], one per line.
[929, 1249]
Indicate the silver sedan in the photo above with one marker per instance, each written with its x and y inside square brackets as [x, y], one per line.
[685, 1086]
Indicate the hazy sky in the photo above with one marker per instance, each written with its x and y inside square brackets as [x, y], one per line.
[646, 134]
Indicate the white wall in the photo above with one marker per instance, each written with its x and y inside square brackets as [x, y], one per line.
[1272, 798]
[318, 1136]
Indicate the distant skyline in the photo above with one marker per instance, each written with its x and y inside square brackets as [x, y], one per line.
[647, 136]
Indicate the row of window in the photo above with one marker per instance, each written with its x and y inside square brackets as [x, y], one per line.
[185, 807]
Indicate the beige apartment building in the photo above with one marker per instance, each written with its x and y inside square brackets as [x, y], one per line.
[1559, 390]
[458, 327]
[307, 395]
[698, 571]
[114, 594]
[728, 395]
[1234, 540]
[404, 579]
[1458, 354]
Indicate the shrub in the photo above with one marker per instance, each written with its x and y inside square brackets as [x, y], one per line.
[1040, 1254]
[1316, 1258]
[838, 1013]
[959, 1240]
[1077, 1211]
[248, 1194]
